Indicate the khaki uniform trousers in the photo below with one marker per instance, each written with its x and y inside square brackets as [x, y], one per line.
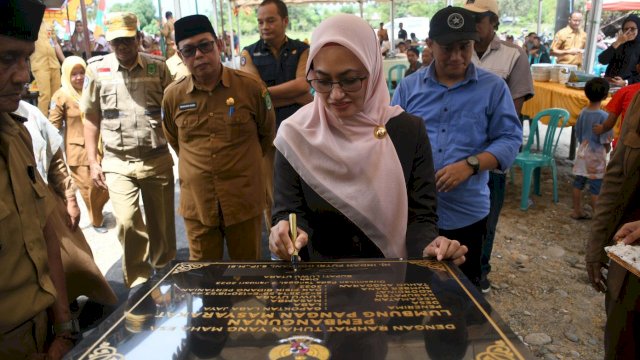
[145, 246]
[48, 81]
[25, 340]
[622, 332]
[93, 196]
[206, 243]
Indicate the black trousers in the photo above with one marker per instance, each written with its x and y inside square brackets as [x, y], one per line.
[472, 236]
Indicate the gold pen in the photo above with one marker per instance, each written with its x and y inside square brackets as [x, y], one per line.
[293, 228]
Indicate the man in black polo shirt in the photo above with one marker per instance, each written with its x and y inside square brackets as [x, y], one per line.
[278, 60]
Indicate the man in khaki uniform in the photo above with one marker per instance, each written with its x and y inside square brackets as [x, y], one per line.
[121, 101]
[30, 265]
[618, 203]
[221, 123]
[168, 28]
[45, 66]
[568, 44]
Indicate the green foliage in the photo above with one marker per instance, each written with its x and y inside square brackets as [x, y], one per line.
[146, 12]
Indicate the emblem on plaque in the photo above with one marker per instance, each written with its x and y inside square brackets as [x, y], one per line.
[498, 350]
[301, 348]
[105, 352]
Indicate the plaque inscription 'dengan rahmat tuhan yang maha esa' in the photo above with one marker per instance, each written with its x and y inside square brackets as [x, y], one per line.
[415, 309]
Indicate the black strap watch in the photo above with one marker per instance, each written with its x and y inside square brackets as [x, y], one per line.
[474, 163]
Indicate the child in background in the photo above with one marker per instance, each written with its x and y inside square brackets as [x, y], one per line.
[591, 160]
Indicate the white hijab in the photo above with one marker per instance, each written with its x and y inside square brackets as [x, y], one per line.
[341, 159]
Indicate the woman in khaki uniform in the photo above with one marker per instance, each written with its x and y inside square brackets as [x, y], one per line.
[65, 110]
[82, 275]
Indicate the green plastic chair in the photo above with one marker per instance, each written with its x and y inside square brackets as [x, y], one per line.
[524, 118]
[399, 69]
[531, 163]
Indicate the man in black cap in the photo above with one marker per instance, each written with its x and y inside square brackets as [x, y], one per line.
[30, 265]
[472, 126]
[221, 124]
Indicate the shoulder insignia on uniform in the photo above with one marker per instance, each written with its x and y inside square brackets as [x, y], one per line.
[94, 59]
[152, 69]
[267, 98]
[18, 118]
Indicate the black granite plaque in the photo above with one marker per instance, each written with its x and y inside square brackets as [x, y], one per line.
[416, 309]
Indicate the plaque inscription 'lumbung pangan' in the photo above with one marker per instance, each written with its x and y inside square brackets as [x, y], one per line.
[416, 309]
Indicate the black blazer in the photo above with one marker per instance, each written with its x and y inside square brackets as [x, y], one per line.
[331, 234]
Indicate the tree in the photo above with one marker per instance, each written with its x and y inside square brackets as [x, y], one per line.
[146, 12]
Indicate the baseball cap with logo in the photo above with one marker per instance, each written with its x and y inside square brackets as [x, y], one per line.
[121, 24]
[452, 24]
[482, 6]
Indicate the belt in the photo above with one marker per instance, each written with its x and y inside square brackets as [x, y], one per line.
[115, 113]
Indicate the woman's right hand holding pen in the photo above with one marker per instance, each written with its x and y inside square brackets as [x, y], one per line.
[280, 243]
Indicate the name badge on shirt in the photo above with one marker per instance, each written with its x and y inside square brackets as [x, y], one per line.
[187, 106]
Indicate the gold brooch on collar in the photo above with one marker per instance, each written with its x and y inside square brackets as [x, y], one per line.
[379, 132]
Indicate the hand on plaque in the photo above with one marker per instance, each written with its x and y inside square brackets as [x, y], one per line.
[443, 248]
[280, 243]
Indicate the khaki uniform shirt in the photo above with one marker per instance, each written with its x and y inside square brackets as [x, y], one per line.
[619, 199]
[128, 103]
[25, 203]
[168, 29]
[176, 67]
[66, 112]
[511, 63]
[220, 146]
[566, 39]
[44, 56]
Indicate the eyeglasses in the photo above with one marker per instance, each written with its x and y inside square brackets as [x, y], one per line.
[347, 85]
[126, 41]
[204, 47]
[632, 29]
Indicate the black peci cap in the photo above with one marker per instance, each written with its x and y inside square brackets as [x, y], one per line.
[192, 25]
[21, 19]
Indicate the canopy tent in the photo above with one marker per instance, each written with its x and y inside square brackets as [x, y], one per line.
[617, 5]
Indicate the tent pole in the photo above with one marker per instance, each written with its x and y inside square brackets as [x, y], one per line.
[539, 28]
[238, 26]
[593, 27]
[163, 44]
[215, 16]
[87, 42]
[176, 8]
[231, 40]
[392, 38]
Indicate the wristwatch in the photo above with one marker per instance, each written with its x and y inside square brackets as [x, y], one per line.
[71, 326]
[474, 163]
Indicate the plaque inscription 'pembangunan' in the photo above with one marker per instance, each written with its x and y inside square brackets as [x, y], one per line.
[351, 309]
